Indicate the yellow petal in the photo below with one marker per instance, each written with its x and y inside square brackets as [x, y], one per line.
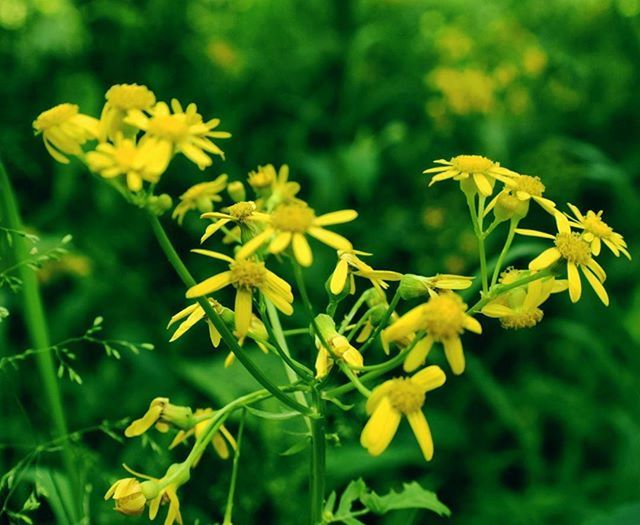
[140, 426]
[596, 285]
[210, 285]
[339, 277]
[497, 310]
[484, 186]
[421, 430]
[254, 244]
[337, 242]
[545, 259]
[472, 324]
[280, 243]
[243, 310]
[302, 250]
[195, 316]
[220, 446]
[429, 378]
[533, 233]
[278, 300]
[418, 354]
[336, 217]
[575, 285]
[455, 355]
[381, 427]
[213, 228]
[214, 335]
[377, 395]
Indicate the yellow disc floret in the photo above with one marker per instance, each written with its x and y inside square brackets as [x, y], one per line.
[241, 210]
[444, 316]
[593, 223]
[248, 274]
[294, 217]
[522, 319]
[130, 96]
[55, 116]
[531, 185]
[573, 248]
[405, 395]
[472, 163]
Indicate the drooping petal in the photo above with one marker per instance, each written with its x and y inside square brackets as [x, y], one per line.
[596, 285]
[455, 355]
[429, 378]
[280, 242]
[484, 186]
[255, 243]
[422, 432]
[339, 277]
[418, 354]
[243, 310]
[302, 250]
[545, 259]
[496, 310]
[472, 324]
[381, 427]
[575, 285]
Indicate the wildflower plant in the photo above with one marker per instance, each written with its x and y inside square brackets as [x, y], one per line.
[373, 337]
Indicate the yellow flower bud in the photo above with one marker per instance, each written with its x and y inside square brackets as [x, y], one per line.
[236, 191]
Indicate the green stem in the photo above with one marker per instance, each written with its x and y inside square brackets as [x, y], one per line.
[234, 472]
[297, 271]
[477, 228]
[513, 224]
[39, 335]
[318, 460]
[354, 309]
[385, 318]
[354, 379]
[217, 321]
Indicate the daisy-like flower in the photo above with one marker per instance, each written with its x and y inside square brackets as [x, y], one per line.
[64, 130]
[596, 232]
[515, 198]
[200, 197]
[245, 276]
[170, 130]
[349, 264]
[443, 318]
[220, 440]
[273, 188]
[575, 252]
[473, 171]
[341, 350]
[520, 307]
[288, 224]
[244, 214]
[413, 286]
[124, 158]
[121, 99]
[161, 414]
[395, 398]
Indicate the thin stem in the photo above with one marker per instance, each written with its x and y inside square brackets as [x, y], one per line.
[39, 335]
[234, 471]
[477, 228]
[302, 288]
[318, 459]
[354, 379]
[217, 321]
[354, 309]
[385, 318]
[513, 224]
[296, 331]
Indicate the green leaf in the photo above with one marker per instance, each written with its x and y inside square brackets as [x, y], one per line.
[277, 416]
[412, 496]
[298, 446]
[354, 491]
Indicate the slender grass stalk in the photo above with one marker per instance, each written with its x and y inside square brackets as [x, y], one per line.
[39, 335]
[513, 224]
[318, 459]
[227, 336]
[476, 220]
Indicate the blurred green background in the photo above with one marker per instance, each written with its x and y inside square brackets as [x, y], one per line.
[358, 97]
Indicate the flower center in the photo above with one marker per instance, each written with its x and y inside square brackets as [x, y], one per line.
[55, 116]
[248, 274]
[524, 319]
[472, 163]
[444, 316]
[241, 210]
[130, 96]
[593, 223]
[295, 217]
[511, 275]
[169, 127]
[125, 155]
[531, 185]
[573, 248]
[405, 396]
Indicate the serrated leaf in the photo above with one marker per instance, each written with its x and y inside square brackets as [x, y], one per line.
[354, 491]
[412, 496]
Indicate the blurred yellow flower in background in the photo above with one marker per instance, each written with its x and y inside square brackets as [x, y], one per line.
[122, 98]
[200, 197]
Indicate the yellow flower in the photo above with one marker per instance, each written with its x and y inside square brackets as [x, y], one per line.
[340, 349]
[443, 318]
[201, 197]
[162, 414]
[245, 275]
[596, 232]
[218, 441]
[128, 495]
[127, 158]
[395, 398]
[122, 98]
[520, 307]
[576, 252]
[64, 130]
[288, 224]
[182, 131]
[476, 170]
[524, 188]
[242, 213]
[349, 264]
[273, 187]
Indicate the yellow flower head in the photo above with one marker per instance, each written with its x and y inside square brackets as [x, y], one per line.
[596, 232]
[514, 199]
[349, 264]
[162, 414]
[124, 158]
[443, 318]
[395, 398]
[520, 307]
[244, 214]
[288, 224]
[201, 197]
[175, 130]
[575, 251]
[341, 349]
[122, 98]
[475, 173]
[274, 188]
[219, 441]
[246, 276]
[64, 130]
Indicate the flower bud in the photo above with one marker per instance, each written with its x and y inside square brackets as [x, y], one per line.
[412, 286]
[128, 495]
[159, 204]
[509, 207]
[236, 191]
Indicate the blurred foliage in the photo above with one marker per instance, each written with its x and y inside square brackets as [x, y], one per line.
[357, 96]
